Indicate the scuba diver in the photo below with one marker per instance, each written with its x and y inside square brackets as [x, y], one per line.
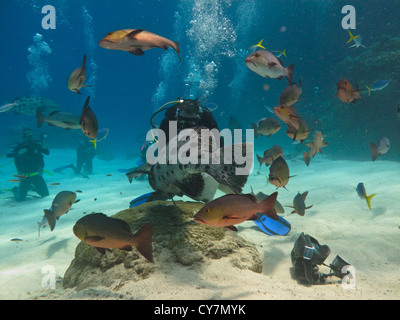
[28, 159]
[188, 113]
[84, 157]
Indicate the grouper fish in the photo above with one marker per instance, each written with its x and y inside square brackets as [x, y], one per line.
[29, 104]
[189, 179]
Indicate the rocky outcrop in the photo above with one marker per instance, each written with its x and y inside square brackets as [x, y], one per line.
[177, 239]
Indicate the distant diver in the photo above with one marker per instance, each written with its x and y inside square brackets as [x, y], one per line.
[28, 158]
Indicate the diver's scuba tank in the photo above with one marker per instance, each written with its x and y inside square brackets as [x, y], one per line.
[307, 254]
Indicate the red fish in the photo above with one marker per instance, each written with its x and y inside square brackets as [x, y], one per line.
[136, 41]
[288, 115]
[346, 92]
[232, 209]
[19, 176]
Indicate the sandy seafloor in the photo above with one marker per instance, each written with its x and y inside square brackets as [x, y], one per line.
[369, 240]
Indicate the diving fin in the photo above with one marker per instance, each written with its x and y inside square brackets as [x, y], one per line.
[273, 227]
[147, 197]
[139, 200]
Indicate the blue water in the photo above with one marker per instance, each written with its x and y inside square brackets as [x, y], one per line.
[214, 37]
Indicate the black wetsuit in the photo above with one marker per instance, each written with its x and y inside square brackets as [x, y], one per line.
[204, 119]
[84, 157]
[28, 158]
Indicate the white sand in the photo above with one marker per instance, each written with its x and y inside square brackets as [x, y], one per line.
[369, 240]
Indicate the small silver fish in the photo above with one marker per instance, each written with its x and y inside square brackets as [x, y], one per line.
[382, 148]
[299, 205]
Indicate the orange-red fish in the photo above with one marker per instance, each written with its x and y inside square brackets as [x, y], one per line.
[346, 92]
[136, 41]
[287, 114]
[231, 209]
[19, 176]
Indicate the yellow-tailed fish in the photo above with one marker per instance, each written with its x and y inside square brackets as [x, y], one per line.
[257, 45]
[363, 194]
[281, 53]
[351, 37]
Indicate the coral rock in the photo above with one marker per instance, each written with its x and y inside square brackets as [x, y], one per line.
[176, 239]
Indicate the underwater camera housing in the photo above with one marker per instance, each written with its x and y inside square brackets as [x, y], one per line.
[307, 254]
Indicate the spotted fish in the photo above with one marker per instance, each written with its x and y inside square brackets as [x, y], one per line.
[193, 180]
[29, 104]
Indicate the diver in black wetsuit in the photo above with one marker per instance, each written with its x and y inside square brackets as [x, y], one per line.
[84, 157]
[28, 158]
[188, 113]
